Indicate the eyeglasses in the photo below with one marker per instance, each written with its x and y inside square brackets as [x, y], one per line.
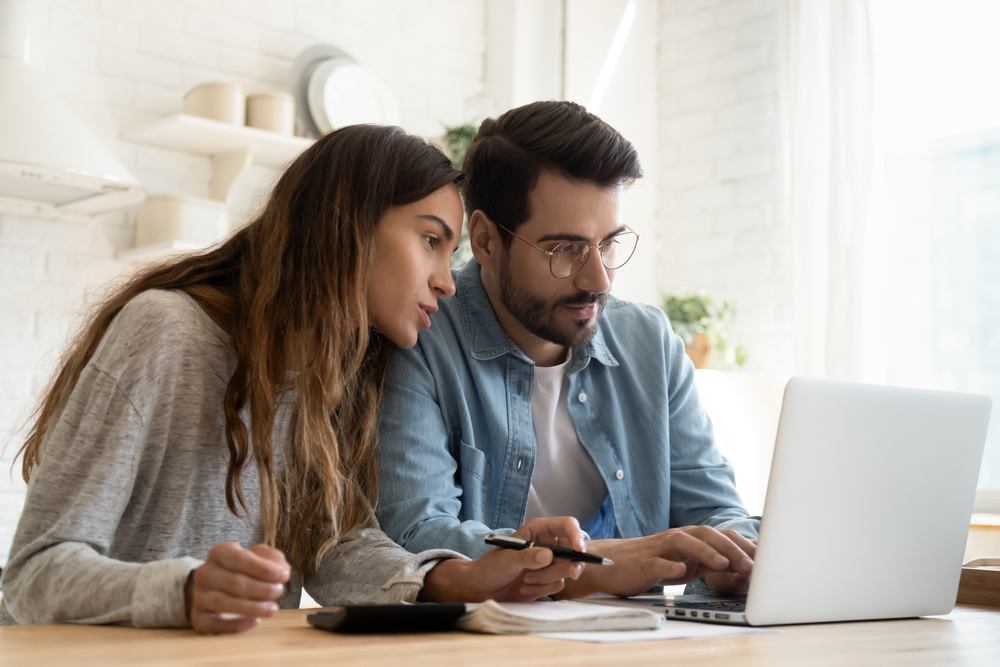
[566, 259]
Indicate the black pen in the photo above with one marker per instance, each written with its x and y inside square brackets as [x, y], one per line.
[505, 542]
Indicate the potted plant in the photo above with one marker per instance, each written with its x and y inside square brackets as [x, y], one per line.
[705, 327]
[456, 142]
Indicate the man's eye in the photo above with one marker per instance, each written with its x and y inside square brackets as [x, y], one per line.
[566, 249]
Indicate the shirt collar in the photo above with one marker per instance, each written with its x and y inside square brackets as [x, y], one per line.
[488, 340]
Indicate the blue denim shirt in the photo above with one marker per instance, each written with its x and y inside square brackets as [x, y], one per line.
[457, 447]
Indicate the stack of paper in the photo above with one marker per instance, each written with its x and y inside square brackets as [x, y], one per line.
[514, 618]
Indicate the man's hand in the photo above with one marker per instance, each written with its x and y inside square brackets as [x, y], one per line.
[510, 575]
[676, 556]
[235, 588]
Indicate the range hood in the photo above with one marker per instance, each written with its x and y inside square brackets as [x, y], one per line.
[48, 155]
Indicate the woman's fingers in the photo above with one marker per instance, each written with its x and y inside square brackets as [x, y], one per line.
[235, 587]
[526, 574]
[232, 557]
[510, 563]
[218, 602]
[241, 586]
[527, 593]
[559, 570]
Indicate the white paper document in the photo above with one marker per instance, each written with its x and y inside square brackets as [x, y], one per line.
[669, 630]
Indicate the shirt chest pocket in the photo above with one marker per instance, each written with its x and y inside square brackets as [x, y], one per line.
[473, 471]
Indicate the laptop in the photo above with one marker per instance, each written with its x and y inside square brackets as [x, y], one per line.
[867, 508]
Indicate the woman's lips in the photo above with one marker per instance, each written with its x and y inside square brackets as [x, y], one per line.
[426, 315]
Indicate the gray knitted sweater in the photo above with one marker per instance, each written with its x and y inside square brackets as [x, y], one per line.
[130, 492]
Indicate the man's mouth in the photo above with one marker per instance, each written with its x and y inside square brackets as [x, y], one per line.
[584, 307]
[583, 312]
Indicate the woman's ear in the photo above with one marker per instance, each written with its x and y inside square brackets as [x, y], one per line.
[484, 239]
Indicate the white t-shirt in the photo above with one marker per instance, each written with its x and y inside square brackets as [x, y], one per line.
[565, 481]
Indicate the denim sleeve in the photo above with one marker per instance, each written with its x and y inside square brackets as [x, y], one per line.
[420, 497]
[703, 485]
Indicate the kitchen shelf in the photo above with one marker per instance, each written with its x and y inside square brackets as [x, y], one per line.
[203, 136]
[231, 148]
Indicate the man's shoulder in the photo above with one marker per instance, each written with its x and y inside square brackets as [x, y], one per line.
[636, 335]
[634, 320]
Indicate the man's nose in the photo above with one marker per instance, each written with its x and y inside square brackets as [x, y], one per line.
[593, 277]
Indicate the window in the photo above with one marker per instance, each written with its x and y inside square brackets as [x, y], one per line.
[936, 65]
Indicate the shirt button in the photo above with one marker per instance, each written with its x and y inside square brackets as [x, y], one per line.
[620, 474]
[582, 397]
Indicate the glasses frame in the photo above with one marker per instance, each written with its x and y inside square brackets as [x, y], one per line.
[590, 246]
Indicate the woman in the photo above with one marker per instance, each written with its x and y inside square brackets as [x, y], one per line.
[218, 414]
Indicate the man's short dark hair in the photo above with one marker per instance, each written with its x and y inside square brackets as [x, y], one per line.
[509, 152]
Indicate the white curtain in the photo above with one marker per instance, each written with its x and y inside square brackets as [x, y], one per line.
[830, 193]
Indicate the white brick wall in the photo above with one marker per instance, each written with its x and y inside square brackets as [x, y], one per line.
[719, 158]
[120, 63]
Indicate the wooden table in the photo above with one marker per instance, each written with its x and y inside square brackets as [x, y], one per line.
[968, 636]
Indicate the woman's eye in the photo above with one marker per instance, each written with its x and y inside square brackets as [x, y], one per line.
[432, 241]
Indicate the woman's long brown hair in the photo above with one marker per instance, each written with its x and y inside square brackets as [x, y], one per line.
[293, 285]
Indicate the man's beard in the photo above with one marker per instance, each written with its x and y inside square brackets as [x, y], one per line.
[537, 316]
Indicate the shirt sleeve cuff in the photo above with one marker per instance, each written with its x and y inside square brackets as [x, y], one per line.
[747, 526]
[158, 597]
[408, 581]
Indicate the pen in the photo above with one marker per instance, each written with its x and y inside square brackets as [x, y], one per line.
[505, 542]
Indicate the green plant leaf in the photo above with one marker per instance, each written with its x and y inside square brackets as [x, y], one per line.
[696, 313]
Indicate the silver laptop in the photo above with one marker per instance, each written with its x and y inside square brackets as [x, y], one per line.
[867, 509]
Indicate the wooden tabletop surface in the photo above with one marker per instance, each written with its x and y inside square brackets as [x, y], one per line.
[970, 635]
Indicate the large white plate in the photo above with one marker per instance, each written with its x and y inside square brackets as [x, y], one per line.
[342, 92]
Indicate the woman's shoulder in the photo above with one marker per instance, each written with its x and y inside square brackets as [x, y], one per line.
[158, 325]
[171, 308]
[158, 313]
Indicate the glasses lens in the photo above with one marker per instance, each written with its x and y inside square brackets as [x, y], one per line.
[618, 249]
[568, 258]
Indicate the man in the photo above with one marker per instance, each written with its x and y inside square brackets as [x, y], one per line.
[536, 393]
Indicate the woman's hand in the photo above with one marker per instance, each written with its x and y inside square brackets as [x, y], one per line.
[507, 574]
[235, 588]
